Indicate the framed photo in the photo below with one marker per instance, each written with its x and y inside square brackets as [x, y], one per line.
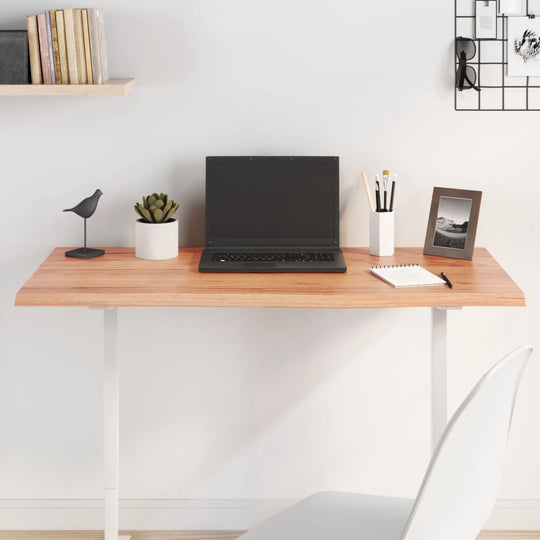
[453, 219]
[523, 47]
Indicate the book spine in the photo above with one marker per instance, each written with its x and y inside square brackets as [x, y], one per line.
[62, 49]
[87, 52]
[103, 45]
[94, 45]
[79, 46]
[33, 47]
[44, 49]
[49, 42]
[70, 47]
[55, 48]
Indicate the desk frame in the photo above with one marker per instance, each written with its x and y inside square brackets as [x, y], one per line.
[439, 403]
[101, 284]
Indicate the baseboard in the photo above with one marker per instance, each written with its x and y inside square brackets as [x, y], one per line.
[200, 514]
[515, 514]
[138, 514]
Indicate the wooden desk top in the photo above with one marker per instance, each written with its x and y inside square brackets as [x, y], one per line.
[119, 279]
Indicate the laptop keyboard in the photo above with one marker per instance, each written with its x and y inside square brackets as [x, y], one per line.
[251, 256]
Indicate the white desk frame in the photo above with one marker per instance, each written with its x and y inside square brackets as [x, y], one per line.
[439, 335]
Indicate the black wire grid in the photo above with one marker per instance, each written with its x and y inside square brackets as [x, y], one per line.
[498, 91]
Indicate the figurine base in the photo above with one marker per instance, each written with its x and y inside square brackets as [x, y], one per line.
[85, 253]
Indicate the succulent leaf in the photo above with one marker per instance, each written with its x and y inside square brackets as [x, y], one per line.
[160, 204]
[171, 212]
[167, 207]
[158, 215]
[146, 214]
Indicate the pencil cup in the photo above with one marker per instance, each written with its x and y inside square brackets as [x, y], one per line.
[381, 233]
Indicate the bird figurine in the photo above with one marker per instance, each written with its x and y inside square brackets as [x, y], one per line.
[86, 209]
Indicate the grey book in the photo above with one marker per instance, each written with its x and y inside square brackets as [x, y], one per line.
[14, 58]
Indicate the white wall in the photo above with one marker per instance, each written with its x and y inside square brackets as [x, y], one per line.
[255, 404]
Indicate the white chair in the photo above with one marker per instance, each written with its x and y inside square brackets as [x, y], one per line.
[458, 491]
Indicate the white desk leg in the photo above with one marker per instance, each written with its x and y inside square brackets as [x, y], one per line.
[110, 423]
[439, 383]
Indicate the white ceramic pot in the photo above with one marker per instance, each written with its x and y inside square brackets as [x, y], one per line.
[156, 240]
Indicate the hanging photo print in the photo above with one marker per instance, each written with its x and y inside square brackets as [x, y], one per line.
[523, 47]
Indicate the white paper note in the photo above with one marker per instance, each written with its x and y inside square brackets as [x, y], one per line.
[486, 19]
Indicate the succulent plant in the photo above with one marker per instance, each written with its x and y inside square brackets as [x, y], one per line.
[156, 208]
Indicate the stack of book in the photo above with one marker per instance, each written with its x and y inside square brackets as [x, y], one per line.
[67, 46]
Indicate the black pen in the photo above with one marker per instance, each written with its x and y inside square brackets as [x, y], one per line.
[392, 196]
[448, 282]
[378, 196]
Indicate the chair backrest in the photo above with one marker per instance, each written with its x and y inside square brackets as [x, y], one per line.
[460, 486]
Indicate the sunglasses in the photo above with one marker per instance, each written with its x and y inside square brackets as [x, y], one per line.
[465, 74]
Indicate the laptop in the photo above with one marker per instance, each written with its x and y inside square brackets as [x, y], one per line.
[272, 214]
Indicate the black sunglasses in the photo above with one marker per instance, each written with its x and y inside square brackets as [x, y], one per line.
[465, 74]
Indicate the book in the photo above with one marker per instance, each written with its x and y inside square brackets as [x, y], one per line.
[95, 47]
[406, 275]
[79, 46]
[44, 49]
[87, 52]
[50, 44]
[103, 45]
[14, 57]
[33, 49]
[55, 49]
[70, 47]
[62, 49]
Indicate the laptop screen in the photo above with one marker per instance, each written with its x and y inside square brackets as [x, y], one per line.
[272, 201]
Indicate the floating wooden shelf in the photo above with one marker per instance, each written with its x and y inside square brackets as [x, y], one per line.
[113, 87]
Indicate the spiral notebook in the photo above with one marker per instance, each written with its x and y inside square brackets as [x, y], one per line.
[406, 275]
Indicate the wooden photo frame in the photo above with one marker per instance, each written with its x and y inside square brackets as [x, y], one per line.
[453, 219]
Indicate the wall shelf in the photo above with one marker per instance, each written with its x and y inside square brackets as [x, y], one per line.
[113, 87]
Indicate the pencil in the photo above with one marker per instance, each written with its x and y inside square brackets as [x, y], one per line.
[368, 192]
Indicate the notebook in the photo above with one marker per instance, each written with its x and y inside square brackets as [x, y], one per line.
[406, 275]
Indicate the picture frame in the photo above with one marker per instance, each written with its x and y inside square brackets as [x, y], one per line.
[452, 224]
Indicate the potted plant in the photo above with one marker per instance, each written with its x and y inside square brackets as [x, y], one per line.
[156, 232]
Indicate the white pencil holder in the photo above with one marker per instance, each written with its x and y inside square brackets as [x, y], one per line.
[381, 233]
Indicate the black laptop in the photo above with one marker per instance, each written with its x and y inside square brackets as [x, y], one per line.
[272, 214]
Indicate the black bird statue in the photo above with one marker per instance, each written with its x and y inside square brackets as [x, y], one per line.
[86, 209]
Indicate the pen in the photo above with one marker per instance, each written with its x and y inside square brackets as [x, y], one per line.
[448, 282]
[392, 193]
[378, 197]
